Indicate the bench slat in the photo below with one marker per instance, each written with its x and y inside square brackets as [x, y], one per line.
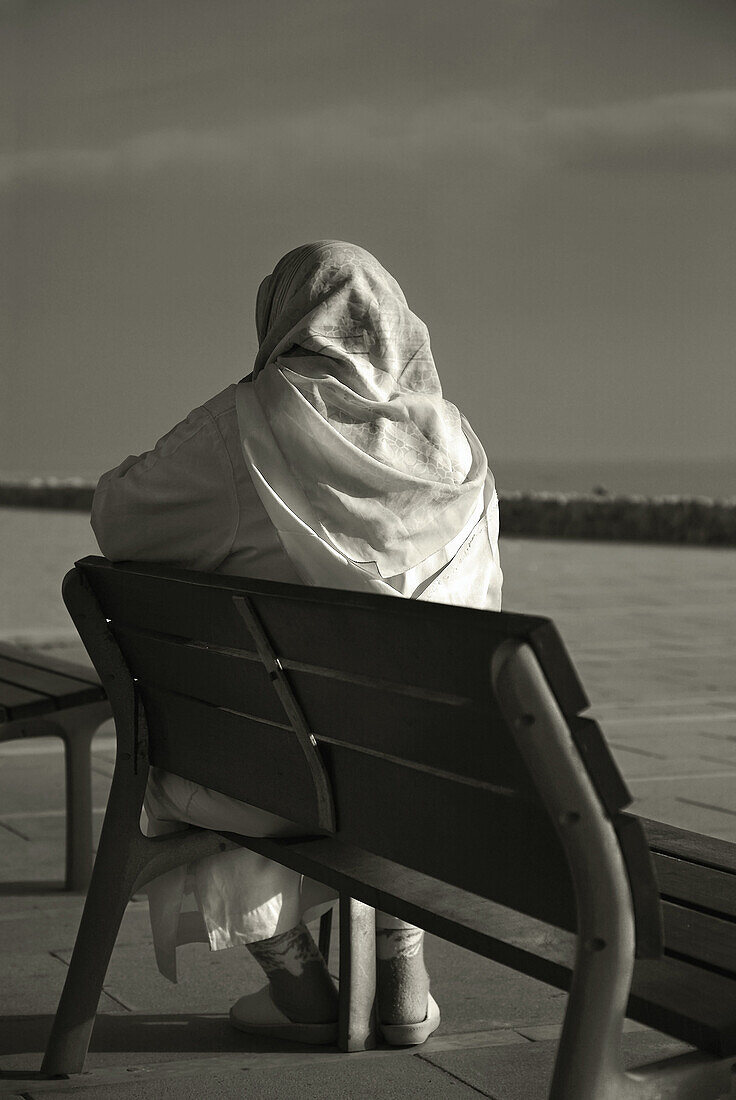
[449, 737]
[693, 847]
[700, 937]
[237, 681]
[696, 884]
[55, 664]
[303, 625]
[685, 1001]
[694, 1005]
[17, 702]
[204, 744]
[373, 642]
[462, 740]
[509, 833]
[59, 690]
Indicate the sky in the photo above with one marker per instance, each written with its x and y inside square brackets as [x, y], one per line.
[552, 183]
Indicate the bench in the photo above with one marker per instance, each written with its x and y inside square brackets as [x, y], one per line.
[41, 696]
[439, 763]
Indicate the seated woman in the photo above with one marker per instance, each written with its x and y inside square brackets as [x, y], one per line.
[337, 462]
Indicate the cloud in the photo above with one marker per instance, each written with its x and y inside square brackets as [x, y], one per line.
[337, 136]
[693, 131]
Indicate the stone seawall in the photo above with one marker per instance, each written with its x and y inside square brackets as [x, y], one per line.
[72, 494]
[694, 521]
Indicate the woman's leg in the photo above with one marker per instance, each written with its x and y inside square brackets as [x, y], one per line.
[403, 982]
[246, 899]
[299, 981]
[302, 988]
[238, 904]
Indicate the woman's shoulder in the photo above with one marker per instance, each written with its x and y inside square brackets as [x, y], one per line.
[201, 434]
[222, 404]
[221, 412]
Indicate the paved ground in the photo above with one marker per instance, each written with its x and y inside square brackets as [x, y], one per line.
[651, 630]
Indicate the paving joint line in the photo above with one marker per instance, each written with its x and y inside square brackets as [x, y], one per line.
[639, 752]
[426, 1059]
[16, 814]
[706, 806]
[680, 775]
[15, 832]
[128, 1008]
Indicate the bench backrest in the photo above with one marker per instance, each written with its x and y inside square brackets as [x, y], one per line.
[236, 675]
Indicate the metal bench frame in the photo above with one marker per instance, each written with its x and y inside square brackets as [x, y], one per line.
[588, 1066]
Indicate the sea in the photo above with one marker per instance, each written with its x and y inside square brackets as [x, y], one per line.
[713, 478]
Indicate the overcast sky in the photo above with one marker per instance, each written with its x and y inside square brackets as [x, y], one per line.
[551, 182]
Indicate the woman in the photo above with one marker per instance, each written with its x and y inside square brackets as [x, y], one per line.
[336, 462]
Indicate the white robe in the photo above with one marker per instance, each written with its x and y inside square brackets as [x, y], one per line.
[192, 502]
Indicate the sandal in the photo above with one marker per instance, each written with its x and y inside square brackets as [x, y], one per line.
[256, 1014]
[408, 1035]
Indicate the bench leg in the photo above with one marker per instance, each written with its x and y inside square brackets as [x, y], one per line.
[77, 730]
[589, 1064]
[693, 1076]
[325, 935]
[77, 748]
[357, 1011]
[75, 1016]
[120, 858]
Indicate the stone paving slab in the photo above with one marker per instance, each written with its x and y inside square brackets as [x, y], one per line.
[30, 783]
[355, 1075]
[475, 993]
[32, 984]
[24, 929]
[610, 599]
[513, 1073]
[708, 806]
[408, 1077]
[503, 1065]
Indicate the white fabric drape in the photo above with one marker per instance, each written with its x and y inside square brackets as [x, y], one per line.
[464, 570]
[371, 481]
[347, 414]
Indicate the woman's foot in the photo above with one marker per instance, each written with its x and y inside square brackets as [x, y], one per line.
[403, 982]
[299, 982]
[256, 1014]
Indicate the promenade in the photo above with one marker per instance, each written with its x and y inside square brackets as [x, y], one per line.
[651, 630]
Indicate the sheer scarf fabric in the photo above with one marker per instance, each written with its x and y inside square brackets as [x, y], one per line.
[372, 479]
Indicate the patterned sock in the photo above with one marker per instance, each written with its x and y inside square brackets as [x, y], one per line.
[403, 982]
[300, 982]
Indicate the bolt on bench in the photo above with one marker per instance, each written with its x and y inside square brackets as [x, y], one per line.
[41, 696]
[439, 763]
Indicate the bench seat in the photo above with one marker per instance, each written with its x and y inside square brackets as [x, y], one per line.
[669, 994]
[441, 767]
[43, 696]
[35, 684]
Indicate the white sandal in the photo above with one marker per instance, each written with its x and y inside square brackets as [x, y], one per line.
[409, 1035]
[258, 1015]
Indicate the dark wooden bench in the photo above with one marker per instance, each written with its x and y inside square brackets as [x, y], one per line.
[41, 696]
[439, 763]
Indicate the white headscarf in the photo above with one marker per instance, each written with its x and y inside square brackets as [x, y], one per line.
[344, 426]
